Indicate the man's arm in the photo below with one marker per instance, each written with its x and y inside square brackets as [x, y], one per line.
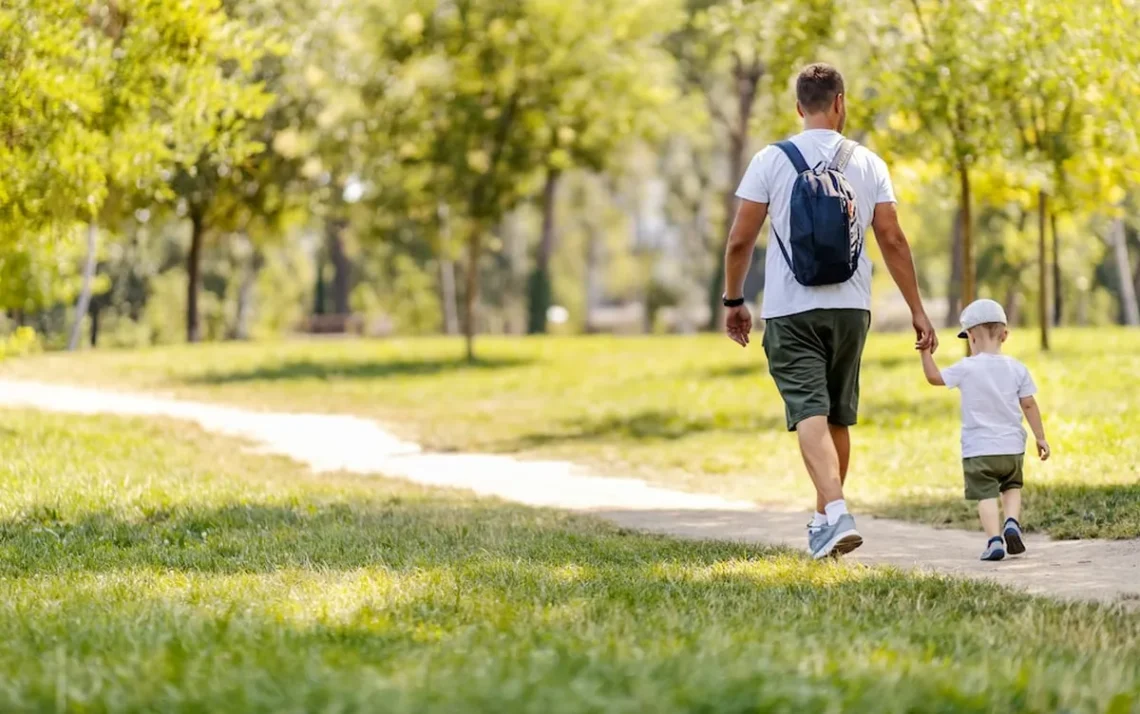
[1033, 416]
[896, 252]
[930, 369]
[746, 226]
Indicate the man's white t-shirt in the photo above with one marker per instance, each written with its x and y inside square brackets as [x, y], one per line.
[992, 387]
[769, 180]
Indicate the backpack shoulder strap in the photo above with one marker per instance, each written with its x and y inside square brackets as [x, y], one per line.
[846, 149]
[793, 155]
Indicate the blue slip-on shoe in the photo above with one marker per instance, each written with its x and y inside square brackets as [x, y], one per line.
[1013, 541]
[835, 539]
[994, 549]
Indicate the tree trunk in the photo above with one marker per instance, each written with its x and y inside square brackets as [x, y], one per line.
[319, 290]
[342, 266]
[593, 277]
[747, 80]
[245, 296]
[1012, 303]
[447, 273]
[193, 272]
[1129, 310]
[1042, 270]
[95, 309]
[969, 289]
[1058, 300]
[470, 299]
[954, 289]
[539, 291]
[728, 201]
[85, 291]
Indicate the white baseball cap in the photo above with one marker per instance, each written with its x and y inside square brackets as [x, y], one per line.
[979, 312]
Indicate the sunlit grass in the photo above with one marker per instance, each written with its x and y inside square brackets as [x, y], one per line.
[146, 566]
[694, 412]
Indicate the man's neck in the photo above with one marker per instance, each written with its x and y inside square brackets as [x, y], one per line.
[819, 121]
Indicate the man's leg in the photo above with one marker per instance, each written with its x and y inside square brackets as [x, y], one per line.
[849, 335]
[821, 459]
[841, 437]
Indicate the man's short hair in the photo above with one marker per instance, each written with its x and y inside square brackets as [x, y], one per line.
[993, 329]
[817, 87]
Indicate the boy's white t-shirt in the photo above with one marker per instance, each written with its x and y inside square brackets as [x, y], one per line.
[769, 180]
[992, 387]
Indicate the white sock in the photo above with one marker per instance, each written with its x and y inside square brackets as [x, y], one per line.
[834, 510]
[818, 520]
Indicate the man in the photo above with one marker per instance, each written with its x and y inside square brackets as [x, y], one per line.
[814, 335]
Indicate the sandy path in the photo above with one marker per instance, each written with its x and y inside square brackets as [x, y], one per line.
[1100, 570]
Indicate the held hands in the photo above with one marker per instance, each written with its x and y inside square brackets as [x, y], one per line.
[925, 338]
[1043, 449]
[738, 324]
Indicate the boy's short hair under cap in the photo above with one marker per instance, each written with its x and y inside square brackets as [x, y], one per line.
[980, 312]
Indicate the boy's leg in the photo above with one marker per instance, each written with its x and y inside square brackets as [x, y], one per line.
[988, 513]
[1011, 503]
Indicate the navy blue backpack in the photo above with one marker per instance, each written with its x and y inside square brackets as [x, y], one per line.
[825, 240]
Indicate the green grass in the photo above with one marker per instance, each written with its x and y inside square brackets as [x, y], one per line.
[146, 566]
[697, 413]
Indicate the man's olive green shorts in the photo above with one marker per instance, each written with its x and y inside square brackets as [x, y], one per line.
[988, 476]
[814, 357]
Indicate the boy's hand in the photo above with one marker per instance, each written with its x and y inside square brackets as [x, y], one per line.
[1043, 449]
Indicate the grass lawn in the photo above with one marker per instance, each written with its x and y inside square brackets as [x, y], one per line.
[698, 413]
[146, 566]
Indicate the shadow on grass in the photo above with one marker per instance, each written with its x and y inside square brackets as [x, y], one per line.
[735, 371]
[760, 367]
[1064, 511]
[646, 425]
[309, 369]
[893, 362]
[927, 407]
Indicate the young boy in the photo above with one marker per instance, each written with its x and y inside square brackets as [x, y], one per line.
[993, 387]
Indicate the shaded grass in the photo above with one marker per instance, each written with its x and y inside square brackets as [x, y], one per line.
[697, 412]
[150, 567]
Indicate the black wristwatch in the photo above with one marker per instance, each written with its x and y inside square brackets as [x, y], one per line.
[734, 302]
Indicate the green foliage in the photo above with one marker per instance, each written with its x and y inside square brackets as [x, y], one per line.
[261, 119]
[21, 342]
[51, 69]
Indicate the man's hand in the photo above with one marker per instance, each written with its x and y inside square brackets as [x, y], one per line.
[1043, 449]
[925, 338]
[738, 324]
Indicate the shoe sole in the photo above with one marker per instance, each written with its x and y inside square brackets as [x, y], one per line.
[1013, 542]
[840, 544]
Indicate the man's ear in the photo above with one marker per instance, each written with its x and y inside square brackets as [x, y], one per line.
[1004, 335]
[837, 105]
[799, 110]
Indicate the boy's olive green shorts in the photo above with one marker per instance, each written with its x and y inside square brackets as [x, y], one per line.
[814, 357]
[989, 476]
